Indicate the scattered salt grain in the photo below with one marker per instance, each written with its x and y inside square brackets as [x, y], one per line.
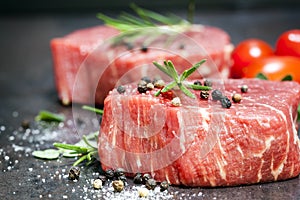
[2, 128]
[15, 114]
[11, 138]
[65, 196]
[6, 158]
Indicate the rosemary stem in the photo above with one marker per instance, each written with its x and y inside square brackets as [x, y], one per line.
[191, 11]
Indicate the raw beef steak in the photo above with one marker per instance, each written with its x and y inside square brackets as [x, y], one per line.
[105, 64]
[200, 143]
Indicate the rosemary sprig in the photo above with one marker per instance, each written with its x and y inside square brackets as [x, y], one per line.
[134, 26]
[144, 18]
[178, 80]
[45, 115]
[89, 108]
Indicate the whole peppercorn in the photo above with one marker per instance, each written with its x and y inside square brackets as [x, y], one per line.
[144, 48]
[118, 185]
[216, 95]
[236, 98]
[225, 102]
[109, 174]
[97, 184]
[74, 173]
[207, 83]
[150, 86]
[102, 178]
[143, 192]
[244, 88]
[150, 184]
[146, 79]
[119, 172]
[25, 124]
[142, 86]
[122, 178]
[204, 94]
[146, 177]
[176, 101]
[164, 186]
[197, 82]
[121, 89]
[181, 46]
[159, 83]
[138, 178]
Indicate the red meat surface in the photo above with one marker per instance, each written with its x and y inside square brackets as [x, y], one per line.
[86, 67]
[200, 143]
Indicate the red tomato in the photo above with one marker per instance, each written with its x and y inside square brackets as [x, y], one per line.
[288, 43]
[275, 68]
[246, 52]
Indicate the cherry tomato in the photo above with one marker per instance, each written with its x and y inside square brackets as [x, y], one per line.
[246, 52]
[288, 43]
[275, 68]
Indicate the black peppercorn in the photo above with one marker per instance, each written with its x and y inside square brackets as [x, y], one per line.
[138, 178]
[225, 102]
[102, 178]
[204, 94]
[146, 79]
[109, 174]
[244, 88]
[197, 83]
[122, 178]
[207, 83]
[142, 86]
[146, 177]
[150, 184]
[119, 172]
[164, 186]
[181, 46]
[121, 89]
[144, 48]
[216, 95]
[74, 173]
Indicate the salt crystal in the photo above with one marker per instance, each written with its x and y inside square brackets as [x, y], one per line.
[30, 169]
[65, 196]
[6, 158]
[2, 128]
[15, 114]
[41, 196]
[11, 138]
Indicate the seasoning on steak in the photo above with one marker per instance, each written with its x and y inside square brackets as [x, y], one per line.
[84, 58]
[200, 143]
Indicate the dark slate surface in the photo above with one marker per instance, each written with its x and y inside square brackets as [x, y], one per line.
[27, 86]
